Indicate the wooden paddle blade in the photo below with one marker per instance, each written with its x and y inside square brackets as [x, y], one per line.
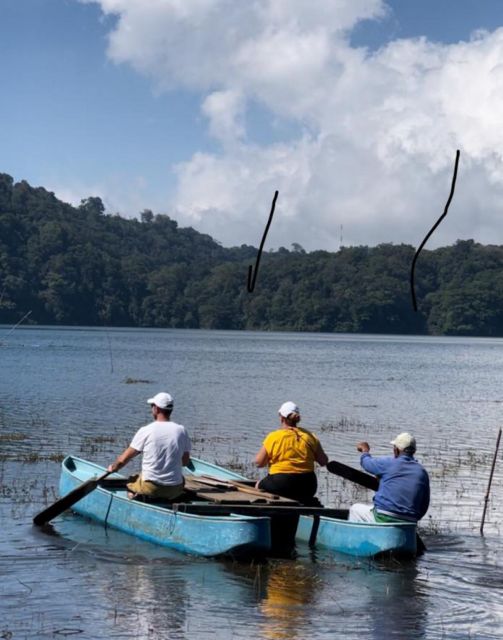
[68, 501]
[354, 475]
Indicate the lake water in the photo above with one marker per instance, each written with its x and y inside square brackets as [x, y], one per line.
[84, 391]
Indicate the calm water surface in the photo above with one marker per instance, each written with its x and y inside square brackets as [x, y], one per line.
[84, 392]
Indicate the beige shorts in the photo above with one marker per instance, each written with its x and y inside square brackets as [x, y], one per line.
[148, 488]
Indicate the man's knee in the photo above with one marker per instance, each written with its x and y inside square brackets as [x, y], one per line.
[361, 513]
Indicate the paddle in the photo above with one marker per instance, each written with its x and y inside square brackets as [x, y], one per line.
[367, 481]
[69, 500]
[348, 473]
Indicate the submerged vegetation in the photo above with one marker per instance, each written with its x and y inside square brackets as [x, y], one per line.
[12, 437]
[136, 381]
[77, 265]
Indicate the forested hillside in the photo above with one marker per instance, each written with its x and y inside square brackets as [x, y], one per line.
[79, 266]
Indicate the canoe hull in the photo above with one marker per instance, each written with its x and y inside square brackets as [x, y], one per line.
[359, 538]
[353, 538]
[189, 533]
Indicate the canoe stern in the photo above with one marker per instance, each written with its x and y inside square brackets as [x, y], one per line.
[360, 538]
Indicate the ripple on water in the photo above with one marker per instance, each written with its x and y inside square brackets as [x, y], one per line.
[465, 576]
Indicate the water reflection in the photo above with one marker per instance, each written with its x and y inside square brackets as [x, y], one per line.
[152, 602]
[289, 590]
[83, 579]
[332, 595]
[138, 590]
[398, 603]
[131, 587]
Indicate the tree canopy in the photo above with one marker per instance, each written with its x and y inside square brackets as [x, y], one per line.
[79, 266]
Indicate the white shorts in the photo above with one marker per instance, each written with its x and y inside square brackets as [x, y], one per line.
[361, 513]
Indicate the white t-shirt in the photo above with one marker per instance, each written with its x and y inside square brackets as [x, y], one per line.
[163, 445]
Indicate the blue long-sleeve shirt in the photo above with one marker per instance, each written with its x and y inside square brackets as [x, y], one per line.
[404, 486]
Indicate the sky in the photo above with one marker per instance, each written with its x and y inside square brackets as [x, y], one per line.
[200, 109]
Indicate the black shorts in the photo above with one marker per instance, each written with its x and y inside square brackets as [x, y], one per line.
[296, 486]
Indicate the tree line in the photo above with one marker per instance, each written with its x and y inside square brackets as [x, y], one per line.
[79, 266]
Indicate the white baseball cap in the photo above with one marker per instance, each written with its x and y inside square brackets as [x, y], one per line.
[404, 441]
[162, 400]
[287, 408]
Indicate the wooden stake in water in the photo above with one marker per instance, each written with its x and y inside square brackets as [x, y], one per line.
[17, 324]
[110, 351]
[486, 499]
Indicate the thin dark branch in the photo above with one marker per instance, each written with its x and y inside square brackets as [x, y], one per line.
[486, 499]
[453, 186]
[252, 275]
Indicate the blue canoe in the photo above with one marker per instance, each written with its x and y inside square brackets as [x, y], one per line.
[212, 535]
[353, 538]
[205, 535]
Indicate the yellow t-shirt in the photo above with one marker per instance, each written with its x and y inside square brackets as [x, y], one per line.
[291, 450]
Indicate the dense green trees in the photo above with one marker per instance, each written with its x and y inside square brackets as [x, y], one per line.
[77, 265]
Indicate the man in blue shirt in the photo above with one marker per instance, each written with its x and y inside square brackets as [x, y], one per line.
[404, 485]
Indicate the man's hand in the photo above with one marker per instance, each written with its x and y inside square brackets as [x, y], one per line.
[123, 459]
[363, 447]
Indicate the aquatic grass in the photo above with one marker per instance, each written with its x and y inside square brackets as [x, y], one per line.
[91, 445]
[244, 467]
[21, 490]
[129, 380]
[456, 463]
[32, 457]
[19, 493]
[209, 440]
[343, 424]
[12, 437]
[37, 422]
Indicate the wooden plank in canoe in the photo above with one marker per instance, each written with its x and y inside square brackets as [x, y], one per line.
[231, 497]
[195, 485]
[226, 493]
[240, 486]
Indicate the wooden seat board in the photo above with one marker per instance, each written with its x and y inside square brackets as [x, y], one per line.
[229, 494]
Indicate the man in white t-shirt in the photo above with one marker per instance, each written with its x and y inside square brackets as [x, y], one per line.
[165, 446]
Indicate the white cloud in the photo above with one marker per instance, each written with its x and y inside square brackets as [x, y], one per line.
[225, 112]
[377, 132]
